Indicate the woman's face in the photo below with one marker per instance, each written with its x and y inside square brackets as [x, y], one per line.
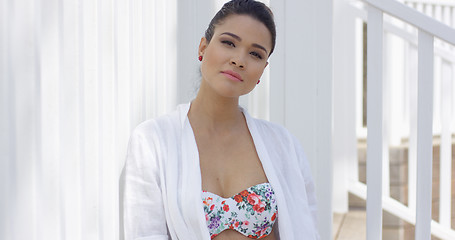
[236, 56]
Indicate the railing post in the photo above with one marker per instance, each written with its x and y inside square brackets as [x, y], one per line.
[424, 136]
[344, 132]
[374, 123]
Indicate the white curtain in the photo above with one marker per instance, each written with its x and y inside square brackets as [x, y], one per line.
[75, 78]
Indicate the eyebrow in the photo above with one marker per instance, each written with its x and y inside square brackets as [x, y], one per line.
[240, 39]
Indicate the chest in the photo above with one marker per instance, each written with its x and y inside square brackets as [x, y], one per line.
[229, 163]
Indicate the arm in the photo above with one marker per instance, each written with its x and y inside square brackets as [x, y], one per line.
[309, 184]
[144, 216]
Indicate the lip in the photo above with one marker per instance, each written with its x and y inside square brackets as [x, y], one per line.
[232, 75]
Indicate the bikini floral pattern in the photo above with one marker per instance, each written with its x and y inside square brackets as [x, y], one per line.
[251, 212]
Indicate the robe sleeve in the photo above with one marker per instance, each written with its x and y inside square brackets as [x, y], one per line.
[143, 209]
[309, 184]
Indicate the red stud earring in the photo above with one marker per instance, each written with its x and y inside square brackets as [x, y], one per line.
[258, 81]
[200, 58]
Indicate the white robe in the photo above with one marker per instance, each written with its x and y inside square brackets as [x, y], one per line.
[162, 195]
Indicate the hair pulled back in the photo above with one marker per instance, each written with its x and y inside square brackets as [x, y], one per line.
[254, 9]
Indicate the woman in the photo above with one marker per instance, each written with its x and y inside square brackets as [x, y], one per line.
[209, 170]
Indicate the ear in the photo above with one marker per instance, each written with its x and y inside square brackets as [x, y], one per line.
[202, 46]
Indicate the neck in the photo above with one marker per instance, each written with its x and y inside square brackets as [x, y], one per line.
[213, 112]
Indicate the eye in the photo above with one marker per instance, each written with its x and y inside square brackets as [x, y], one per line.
[229, 43]
[257, 55]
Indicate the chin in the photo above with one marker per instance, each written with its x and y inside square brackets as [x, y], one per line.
[229, 91]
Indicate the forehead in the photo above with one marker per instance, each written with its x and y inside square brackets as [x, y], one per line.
[247, 28]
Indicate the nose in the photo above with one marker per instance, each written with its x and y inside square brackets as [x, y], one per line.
[238, 62]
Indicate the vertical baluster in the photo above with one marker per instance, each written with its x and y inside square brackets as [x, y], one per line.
[360, 130]
[412, 156]
[353, 167]
[409, 110]
[374, 124]
[442, 77]
[446, 15]
[437, 14]
[424, 136]
[452, 17]
[419, 7]
[453, 98]
[410, 4]
[445, 147]
[412, 160]
[428, 9]
[452, 48]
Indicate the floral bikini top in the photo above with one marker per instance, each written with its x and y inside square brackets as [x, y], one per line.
[251, 212]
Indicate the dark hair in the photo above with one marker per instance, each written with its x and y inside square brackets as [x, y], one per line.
[257, 10]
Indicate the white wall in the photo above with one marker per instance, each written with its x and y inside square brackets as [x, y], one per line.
[301, 89]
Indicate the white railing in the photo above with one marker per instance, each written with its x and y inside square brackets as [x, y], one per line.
[422, 102]
[441, 10]
[444, 65]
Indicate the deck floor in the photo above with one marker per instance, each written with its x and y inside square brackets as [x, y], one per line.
[350, 226]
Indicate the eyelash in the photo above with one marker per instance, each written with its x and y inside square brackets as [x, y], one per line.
[255, 54]
[228, 43]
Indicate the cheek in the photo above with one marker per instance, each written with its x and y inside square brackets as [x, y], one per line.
[212, 50]
[259, 70]
[208, 62]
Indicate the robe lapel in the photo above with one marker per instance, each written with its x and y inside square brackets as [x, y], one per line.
[272, 176]
[191, 199]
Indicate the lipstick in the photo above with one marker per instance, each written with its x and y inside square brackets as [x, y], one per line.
[232, 75]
